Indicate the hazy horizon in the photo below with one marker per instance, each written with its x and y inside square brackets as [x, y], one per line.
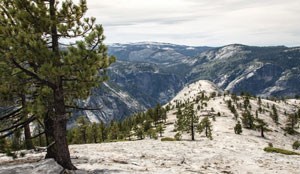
[199, 22]
[158, 42]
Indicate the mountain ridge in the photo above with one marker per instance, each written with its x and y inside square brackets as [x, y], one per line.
[154, 73]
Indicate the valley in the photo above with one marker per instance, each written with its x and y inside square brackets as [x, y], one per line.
[149, 73]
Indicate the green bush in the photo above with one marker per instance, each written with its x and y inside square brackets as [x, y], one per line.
[168, 139]
[296, 145]
[11, 154]
[178, 136]
[238, 128]
[278, 150]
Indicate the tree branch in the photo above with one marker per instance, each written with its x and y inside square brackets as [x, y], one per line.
[83, 108]
[32, 74]
[35, 136]
[12, 114]
[16, 127]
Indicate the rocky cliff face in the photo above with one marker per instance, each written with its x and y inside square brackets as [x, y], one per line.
[145, 74]
[149, 73]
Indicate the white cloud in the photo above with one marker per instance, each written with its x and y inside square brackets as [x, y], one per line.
[200, 22]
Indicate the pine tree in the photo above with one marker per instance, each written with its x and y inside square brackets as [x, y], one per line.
[158, 112]
[92, 133]
[3, 145]
[238, 128]
[139, 131]
[83, 125]
[179, 120]
[187, 121]
[113, 131]
[102, 131]
[206, 125]
[76, 136]
[229, 103]
[262, 125]
[246, 102]
[147, 124]
[160, 128]
[164, 115]
[152, 133]
[292, 120]
[259, 101]
[248, 120]
[13, 88]
[30, 43]
[274, 115]
[16, 140]
[234, 98]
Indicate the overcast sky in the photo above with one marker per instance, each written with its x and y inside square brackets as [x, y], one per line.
[200, 22]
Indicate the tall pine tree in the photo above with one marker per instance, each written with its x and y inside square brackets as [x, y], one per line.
[205, 124]
[187, 121]
[31, 33]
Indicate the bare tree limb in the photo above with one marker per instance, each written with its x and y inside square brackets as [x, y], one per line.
[16, 127]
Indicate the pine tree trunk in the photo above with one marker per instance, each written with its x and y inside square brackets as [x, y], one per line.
[56, 131]
[27, 132]
[48, 121]
[84, 136]
[28, 141]
[262, 132]
[192, 130]
[95, 138]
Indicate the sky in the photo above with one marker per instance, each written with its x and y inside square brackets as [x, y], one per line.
[199, 22]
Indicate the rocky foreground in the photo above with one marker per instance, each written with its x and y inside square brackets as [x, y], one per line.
[226, 153]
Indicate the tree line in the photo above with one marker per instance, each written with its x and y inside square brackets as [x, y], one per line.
[150, 123]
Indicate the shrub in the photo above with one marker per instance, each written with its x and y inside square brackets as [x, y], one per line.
[238, 128]
[155, 136]
[296, 145]
[22, 154]
[178, 136]
[281, 151]
[168, 139]
[270, 144]
[11, 154]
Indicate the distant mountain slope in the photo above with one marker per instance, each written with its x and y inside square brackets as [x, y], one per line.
[174, 59]
[108, 103]
[259, 70]
[153, 73]
[154, 52]
[132, 88]
[147, 82]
